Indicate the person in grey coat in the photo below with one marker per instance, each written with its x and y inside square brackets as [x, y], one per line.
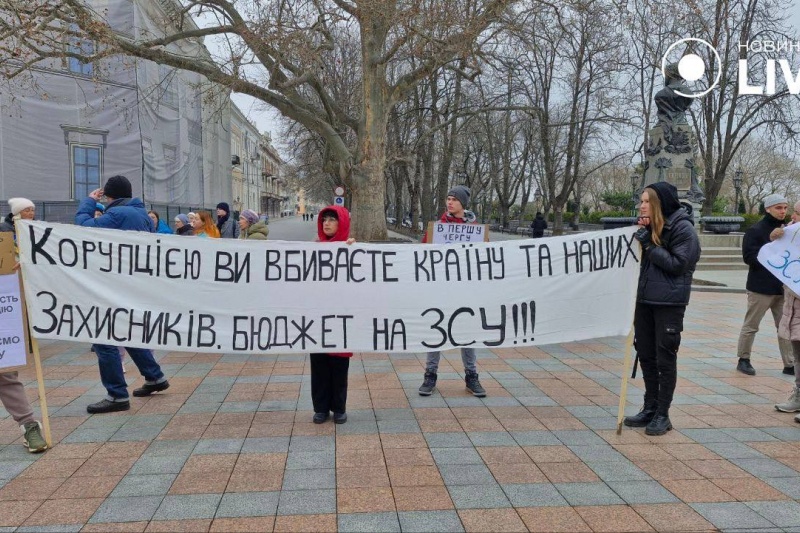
[228, 229]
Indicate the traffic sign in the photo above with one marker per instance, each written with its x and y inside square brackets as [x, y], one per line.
[339, 200]
[339, 191]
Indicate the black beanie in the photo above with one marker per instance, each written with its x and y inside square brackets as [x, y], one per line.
[224, 206]
[118, 187]
[667, 195]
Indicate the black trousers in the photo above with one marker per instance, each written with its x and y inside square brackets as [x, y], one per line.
[329, 382]
[657, 337]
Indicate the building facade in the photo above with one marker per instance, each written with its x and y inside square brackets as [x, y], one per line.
[246, 158]
[273, 194]
[72, 125]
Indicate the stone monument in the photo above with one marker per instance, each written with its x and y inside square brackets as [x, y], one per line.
[672, 145]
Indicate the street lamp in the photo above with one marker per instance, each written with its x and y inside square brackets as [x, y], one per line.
[634, 183]
[737, 185]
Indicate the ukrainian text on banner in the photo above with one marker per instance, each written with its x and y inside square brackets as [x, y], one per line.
[782, 257]
[217, 295]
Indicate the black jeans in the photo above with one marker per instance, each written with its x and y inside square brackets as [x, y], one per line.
[329, 382]
[657, 330]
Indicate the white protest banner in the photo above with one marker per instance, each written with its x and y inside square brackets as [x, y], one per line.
[449, 233]
[218, 295]
[782, 257]
[13, 348]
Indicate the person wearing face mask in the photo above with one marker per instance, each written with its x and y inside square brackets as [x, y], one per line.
[670, 252]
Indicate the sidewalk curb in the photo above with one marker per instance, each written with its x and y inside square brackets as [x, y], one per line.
[710, 288]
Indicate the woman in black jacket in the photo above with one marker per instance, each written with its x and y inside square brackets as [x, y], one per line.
[670, 251]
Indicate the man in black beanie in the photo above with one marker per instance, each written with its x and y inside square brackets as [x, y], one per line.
[126, 213]
[228, 229]
[456, 213]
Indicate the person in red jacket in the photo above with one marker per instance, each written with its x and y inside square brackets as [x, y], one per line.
[329, 370]
[457, 202]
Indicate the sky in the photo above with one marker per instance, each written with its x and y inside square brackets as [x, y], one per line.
[266, 118]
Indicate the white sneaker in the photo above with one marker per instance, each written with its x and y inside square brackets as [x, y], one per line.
[792, 404]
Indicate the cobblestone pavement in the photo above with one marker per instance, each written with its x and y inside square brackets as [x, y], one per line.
[231, 447]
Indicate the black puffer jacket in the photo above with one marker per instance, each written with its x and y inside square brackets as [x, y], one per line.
[758, 278]
[665, 276]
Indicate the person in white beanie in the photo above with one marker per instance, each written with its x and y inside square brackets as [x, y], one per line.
[764, 291]
[20, 208]
[12, 391]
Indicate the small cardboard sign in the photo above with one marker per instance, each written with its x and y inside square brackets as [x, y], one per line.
[451, 233]
[14, 344]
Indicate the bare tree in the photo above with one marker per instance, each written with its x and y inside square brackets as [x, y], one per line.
[277, 53]
[725, 118]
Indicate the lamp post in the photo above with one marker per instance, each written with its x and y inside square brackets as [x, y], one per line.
[634, 183]
[737, 186]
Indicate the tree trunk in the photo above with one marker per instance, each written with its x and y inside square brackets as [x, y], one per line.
[558, 220]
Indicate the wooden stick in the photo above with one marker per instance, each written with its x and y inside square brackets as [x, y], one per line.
[42, 397]
[623, 393]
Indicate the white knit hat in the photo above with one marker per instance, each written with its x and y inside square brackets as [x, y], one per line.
[19, 204]
[769, 201]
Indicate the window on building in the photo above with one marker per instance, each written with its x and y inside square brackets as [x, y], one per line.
[86, 165]
[84, 47]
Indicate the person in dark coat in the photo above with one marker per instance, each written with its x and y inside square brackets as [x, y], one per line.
[329, 370]
[183, 226]
[670, 252]
[538, 226]
[228, 228]
[764, 291]
[125, 213]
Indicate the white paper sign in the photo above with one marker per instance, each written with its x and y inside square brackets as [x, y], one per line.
[12, 329]
[450, 233]
[178, 293]
[782, 257]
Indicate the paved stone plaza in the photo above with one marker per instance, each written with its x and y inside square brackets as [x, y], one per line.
[231, 447]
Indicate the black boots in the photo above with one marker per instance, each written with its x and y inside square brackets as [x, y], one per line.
[473, 384]
[745, 367]
[644, 416]
[428, 385]
[659, 425]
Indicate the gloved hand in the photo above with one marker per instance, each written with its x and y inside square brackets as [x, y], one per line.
[644, 236]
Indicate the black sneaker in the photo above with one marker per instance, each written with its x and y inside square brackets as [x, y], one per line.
[788, 370]
[147, 389]
[745, 367]
[339, 418]
[474, 385]
[107, 406]
[643, 418]
[659, 425]
[319, 418]
[429, 384]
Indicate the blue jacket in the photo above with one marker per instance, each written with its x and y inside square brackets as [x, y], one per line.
[125, 214]
[163, 227]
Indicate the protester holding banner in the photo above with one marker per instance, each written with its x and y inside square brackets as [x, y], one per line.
[228, 229]
[183, 226]
[456, 213]
[670, 251]
[204, 225]
[789, 329]
[764, 291]
[12, 391]
[251, 228]
[329, 370]
[125, 213]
